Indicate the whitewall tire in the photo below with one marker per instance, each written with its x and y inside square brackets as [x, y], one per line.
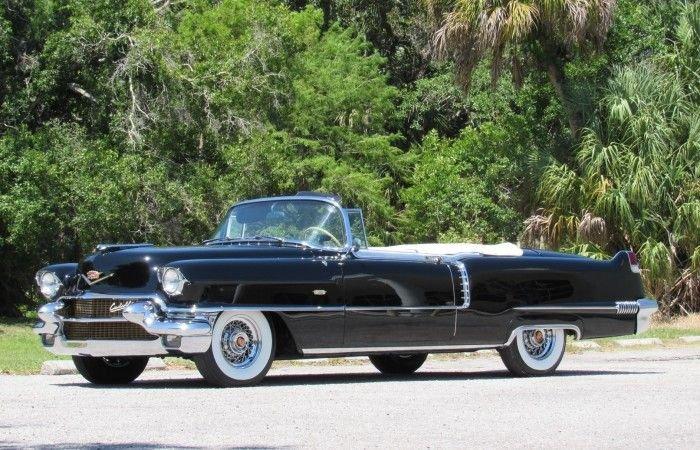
[241, 352]
[534, 352]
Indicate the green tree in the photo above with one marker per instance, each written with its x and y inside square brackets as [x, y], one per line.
[541, 33]
[469, 188]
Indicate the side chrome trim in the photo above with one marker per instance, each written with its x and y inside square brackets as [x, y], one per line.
[419, 348]
[647, 307]
[568, 309]
[625, 307]
[399, 308]
[263, 308]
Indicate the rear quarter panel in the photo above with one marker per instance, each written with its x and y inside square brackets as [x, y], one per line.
[499, 284]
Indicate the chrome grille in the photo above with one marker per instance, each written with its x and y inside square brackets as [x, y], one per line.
[93, 308]
[105, 331]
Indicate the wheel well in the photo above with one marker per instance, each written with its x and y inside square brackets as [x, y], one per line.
[571, 332]
[569, 329]
[285, 345]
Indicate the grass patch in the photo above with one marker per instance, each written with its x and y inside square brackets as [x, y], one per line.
[20, 349]
[179, 363]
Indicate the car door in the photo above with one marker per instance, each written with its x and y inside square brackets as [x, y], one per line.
[397, 302]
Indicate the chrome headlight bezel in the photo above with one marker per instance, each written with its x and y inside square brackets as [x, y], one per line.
[49, 283]
[172, 281]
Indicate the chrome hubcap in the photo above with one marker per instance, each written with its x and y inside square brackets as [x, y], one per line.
[539, 343]
[240, 343]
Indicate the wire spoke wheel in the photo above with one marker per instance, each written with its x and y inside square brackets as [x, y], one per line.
[240, 342]
[241, 352]
[539, 343]
[534, 351]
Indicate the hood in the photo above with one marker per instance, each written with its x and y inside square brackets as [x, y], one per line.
[132, 269]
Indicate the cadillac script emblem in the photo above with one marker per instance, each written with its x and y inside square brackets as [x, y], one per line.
[119, 306]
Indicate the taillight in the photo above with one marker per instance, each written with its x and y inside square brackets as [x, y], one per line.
[634, 261]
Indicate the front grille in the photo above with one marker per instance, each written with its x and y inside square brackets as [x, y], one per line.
[105, 331]
[94, 308]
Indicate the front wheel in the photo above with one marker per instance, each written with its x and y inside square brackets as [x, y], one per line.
[113, 370]
[534, 352]
[241, 351]
[398, 364]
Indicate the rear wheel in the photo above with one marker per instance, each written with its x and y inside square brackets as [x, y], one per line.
[398, 364]
[241, 350]
[534, 352]
[112, 370]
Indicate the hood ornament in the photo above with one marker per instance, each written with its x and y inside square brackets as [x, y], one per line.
[94, 277]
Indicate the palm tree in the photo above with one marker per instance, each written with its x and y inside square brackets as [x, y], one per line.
[542, 32]
[636, 178]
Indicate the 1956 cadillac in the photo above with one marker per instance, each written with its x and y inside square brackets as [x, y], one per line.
[293, 277]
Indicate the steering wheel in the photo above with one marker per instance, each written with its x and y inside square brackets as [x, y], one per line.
[326, 233]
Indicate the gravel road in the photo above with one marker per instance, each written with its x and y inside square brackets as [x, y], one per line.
[632, 399]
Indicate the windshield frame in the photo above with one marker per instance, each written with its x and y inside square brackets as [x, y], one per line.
[328, 200]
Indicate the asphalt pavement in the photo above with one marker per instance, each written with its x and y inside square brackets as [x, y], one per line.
[623, 399]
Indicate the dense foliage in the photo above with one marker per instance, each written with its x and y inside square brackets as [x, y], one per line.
[143, 120]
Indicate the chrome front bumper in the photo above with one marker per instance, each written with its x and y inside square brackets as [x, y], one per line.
[186, 331]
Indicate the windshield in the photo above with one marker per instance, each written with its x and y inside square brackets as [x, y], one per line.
[311, 222]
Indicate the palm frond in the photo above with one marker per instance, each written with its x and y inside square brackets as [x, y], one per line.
[592, 229]
[655, 259]
[560, 186]
[614, 205]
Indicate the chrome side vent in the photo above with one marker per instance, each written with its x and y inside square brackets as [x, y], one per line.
[464, 282]
[627, 308]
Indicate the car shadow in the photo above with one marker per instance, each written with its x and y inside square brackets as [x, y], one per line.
[349, 378]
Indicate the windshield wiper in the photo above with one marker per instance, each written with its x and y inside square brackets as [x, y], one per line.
[256, 238]
[213, 240]
[262, 237]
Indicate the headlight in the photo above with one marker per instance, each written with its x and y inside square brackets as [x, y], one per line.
[173, 281]
[49, 284]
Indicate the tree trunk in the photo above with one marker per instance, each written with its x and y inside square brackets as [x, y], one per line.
[556, 77]
[327, 9]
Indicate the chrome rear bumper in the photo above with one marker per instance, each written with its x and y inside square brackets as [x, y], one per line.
[647, 307]
[185, 333]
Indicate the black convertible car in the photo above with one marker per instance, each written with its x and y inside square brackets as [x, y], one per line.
[293, 277]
